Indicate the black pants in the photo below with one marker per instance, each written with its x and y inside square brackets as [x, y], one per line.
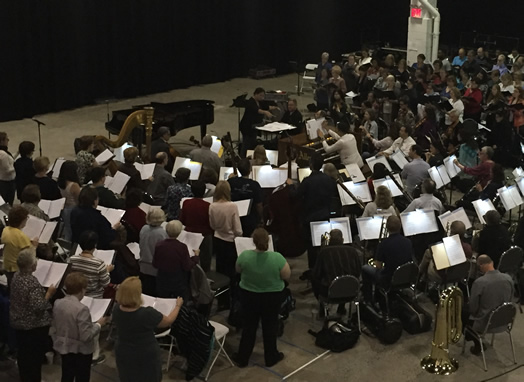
[76, 367]
[226, 254]
[256, 307]
[32, 345]
[148, 284]
[8, 190]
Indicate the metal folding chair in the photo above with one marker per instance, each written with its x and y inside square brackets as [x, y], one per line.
[221, 332]
[343, 290]
[172, 342]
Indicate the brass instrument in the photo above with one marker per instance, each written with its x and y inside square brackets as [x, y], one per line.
[420, 123]
[383, 229]
[324, 239]
[448, 328]
[351, 195]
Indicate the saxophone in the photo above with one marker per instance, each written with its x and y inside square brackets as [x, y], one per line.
[448, 328]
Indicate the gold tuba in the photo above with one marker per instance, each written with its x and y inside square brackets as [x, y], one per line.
[448, 328]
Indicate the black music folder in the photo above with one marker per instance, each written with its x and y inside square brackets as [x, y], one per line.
[445, 105]
[389, 94]
[517, 106]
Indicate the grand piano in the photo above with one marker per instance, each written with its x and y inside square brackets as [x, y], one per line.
[175, 115]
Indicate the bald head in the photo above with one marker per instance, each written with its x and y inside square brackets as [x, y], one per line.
[485, 263]
[207, 141]
[160, 158]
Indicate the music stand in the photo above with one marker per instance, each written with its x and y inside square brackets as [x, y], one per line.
[39, 134]
[240, 103]
[297, 67]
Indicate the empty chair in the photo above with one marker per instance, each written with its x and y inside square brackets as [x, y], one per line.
[405, 277]
[308, 76]
[343, 290]
[500, 319]
[510, 262]
[221, 332]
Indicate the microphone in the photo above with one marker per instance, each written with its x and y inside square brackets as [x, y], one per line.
[37, 121]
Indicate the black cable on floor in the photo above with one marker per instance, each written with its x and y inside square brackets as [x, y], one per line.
[500, 375]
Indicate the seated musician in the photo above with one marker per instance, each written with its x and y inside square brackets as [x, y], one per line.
[128, 167]
[204, 155]
[345, 145]
[382, 144]
[450, 136]
[254, 114]
[106, 197]
[427, 199]
[293, 117]
[494, 238]
[333, 261]
[337, 80]
[427, 269]
[435, 155]
[487, 293]
[496, 182]
[483, 170]
[380, 171]
[161, 145]
[392, 252]
[415, 171]
[404, 142]
[161, 180]
[259, 156]
[382, 204]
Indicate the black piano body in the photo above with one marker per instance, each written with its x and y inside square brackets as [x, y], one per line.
[175, 115]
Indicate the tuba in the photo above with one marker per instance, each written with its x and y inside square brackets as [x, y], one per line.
[448, 328]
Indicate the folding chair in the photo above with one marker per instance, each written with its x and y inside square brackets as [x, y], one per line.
[308, 75]
[170, 344]
[500, 317]
[404, 277]
[221, 332]
[343, 290]
[510, 262]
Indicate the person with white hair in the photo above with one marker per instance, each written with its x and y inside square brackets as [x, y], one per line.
[500, 65]
[323, 64]
[150, 235]
[173, 263]
[204, 155]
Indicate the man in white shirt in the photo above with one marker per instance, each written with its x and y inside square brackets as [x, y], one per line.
[403, 142]
[416, 171]
[346, 145]
[426, 200]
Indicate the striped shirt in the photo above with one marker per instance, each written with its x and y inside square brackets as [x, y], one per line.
[95, 271]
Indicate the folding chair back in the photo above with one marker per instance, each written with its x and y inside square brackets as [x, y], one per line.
[511, 260]
[502, 316]
[343, 289]
[404, 276]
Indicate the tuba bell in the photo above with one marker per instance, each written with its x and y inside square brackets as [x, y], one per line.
[448, 328]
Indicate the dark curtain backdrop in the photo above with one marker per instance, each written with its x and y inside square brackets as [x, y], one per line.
[59, 55]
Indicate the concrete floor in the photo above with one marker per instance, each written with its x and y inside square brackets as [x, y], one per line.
[368, 360]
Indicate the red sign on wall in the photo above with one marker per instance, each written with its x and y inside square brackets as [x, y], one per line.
[416, 13]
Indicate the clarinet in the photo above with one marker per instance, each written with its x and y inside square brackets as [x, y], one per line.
[404, 192]
[351, 195]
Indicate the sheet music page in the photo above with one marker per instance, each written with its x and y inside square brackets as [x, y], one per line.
[118, 182]
[268, 177]
[146, 170]
[104, 157]
[303, 173]
[45, 206]
[399, 158]
[443, 174]
[47, 232]
[343, 225]
[2, 201]
[165, 305]
[192, 240]
[119, 152]
[518, 172]
[244, 206]
[56, 167]
[360, 190]
[146, 207]
[515, 195]
[317, 230]
[369, 228]
[98, 308]
[55, 274]
[418, 221]
[135, 249]
[53, 208]
[520, 183]
[34, 227]
[454, 250]
[345, 199]
[355, 174]
[451, 216]
[217, 147]
[246, 243]
[112, 215]
[312, 126]
[42, 269]
[148, 300]
[434, 174]
[272, 156]
[106, 256]
[225, 172]
[452, 169]
[440, 257]
[380, 159]
[395, 191]
[481, 207]
[506, 198]
[209, 199]
[194, 167]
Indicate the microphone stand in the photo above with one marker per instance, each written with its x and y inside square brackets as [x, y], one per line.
[39, 134]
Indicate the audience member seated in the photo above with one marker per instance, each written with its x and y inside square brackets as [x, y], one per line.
[293, 117]
[85, 159]
[392, 252]
[487, 293]
[128, 167]
[150, 235]
[173, 263]
[426, 200]
[262, 276]
[48, 187]
[69, 186]
[415, 171]
[404, 142]
[14, 240]
[204, 155]
[73, 331]
[494, 238]
[460, 59]
[483, 170]
[383, 203]
[175, 193]
[501, 65]
[345, 145]
[24, 167]
[7, 171]
[29, 316]
[161, 145]
[136, 326]
[162, 180]
[135, 217]
[471, 65]
[106, 197]
[85, 217]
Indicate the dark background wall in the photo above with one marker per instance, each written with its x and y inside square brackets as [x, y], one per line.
[63, 54]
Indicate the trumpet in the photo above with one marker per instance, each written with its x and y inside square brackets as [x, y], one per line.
[448, 328]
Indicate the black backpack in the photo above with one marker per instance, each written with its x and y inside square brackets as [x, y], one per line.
[336, 336]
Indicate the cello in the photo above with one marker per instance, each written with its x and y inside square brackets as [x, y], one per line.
[284, 212]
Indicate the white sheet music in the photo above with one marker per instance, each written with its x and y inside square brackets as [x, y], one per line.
[520, 183]
[369, 227]
[418, 222]
[163, 305]
[56, 167]
[275, 127]
[146, 170]
[354, 173]
[481, 207]
[49, 273]
[192, 240]
[225, 172]
[451, 216]
[343, 225]
[209, 199]
[244, 206]
[106, 256]
[97, 306]
[38, 228]
[272, 156]
[269, 177]
[360, 190]
[395, 191]
[317, 230]
[434, 174]
[119, 152]
[312, 126]
[52, 208]
[444, 174]
[378, 159]
[452, 169]
[399, 158]
[303, 173]
[2, 201]
[510, 197]
[146, 207]
[117, 183]
[246, 243]
[454, 250]
[104, 157]
[194, 167]
[518, 172]
[135, 249]
[112, 215]
[217, 147]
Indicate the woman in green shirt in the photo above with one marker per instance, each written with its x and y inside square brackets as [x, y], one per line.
[262, 276]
